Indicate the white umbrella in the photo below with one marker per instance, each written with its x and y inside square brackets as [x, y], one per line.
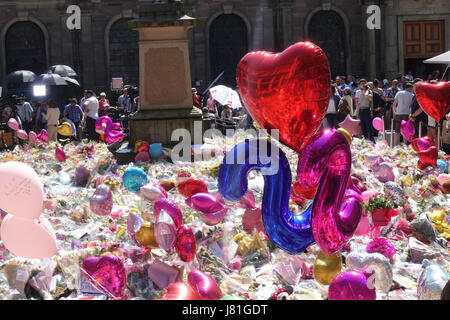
[226, 96]
[443, 58]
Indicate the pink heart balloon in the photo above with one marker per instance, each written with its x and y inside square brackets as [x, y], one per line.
[28, 238]
[372, 161]
[407, 130]
[13, 124]
[377, 123]
[22, 134]
[22, 192]
[101, 202]
[32, 136]
[152, 192]
[60, 154]
[204, 285]
[107, 273]
[43, 136]
[442, 178]
[384, 173]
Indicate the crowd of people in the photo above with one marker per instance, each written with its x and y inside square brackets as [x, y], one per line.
[82, 114]
[392, 101]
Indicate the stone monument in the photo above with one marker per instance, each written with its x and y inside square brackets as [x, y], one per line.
[165, 75]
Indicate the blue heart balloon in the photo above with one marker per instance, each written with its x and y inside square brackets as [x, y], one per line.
[289, 231]
[134, 179]
[155, 150]
[442, 165]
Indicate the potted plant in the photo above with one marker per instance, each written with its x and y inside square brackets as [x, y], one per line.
[381, 209]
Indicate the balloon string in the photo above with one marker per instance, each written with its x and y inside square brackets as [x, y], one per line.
[98, 283]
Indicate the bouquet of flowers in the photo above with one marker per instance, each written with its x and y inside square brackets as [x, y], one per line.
[381, 209]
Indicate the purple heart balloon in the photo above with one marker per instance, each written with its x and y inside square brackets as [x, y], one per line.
[43, 136]
[407, 130]
[204, 285]
[107, 273]
[204, 202]
[101, 202]
[351, 285]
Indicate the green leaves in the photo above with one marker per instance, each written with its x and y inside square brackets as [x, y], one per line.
[378, 202]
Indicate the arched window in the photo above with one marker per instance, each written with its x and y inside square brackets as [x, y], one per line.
[327, 30]
[124, 52]
[25, 48]
[228, 44]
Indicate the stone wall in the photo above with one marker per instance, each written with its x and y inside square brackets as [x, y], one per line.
[273, 25]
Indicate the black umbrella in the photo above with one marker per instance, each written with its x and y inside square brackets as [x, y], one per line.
[72, 81]
[21, 76]
[73, 89]
[19, 81]
[62, 70]
[50, 79]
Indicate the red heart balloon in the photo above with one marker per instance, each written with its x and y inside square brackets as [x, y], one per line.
[434, 99]
[288, 91]
[421, 144]
[428, 158]
[192, 186]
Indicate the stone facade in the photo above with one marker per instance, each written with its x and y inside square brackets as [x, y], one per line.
[269, 24]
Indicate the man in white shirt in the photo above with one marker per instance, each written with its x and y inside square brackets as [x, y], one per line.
[401, 108]
[90, 108]
[25, 111]
[333, 103]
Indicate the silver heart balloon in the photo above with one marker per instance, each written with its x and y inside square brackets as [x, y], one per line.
[432, 281]
[101, 202]
[367, 262]
[152, 192]
[134, 223]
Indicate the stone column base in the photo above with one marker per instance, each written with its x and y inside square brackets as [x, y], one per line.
[158, 125]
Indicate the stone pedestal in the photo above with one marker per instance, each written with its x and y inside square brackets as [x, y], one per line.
[165, 75]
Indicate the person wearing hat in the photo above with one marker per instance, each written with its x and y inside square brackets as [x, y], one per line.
[345, 105]
[74, 113]
[90, 108]
[227, 113]
[25, 112]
